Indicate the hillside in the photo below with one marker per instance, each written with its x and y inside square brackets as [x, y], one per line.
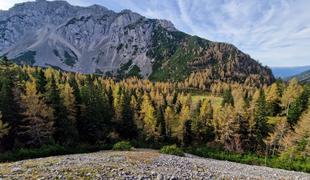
[48, 112]
[303, 77]
[97, 40]
[139, 164]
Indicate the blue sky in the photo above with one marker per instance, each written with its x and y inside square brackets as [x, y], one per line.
[275, 32]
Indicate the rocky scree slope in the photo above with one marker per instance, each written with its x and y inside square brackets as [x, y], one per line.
[97, 40]
[139, 164]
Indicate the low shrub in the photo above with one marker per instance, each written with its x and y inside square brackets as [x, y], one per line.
[24, 153]
[252, 159]
[49, 150]
[172, 149]
[122, 146]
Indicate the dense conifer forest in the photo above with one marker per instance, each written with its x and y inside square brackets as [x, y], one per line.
[43, 107]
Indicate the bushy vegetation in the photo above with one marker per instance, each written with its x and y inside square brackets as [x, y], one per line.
[253, 159]
[47, 150]
[43, 107]
[172, 150]
[122, 146]
[24, 153]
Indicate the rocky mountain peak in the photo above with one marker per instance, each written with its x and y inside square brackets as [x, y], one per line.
[95, 39]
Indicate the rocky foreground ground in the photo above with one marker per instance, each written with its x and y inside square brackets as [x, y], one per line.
[138, 164]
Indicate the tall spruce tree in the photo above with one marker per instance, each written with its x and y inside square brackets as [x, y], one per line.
[161, 124]
[297, 107]
[7, 78]
[40, 80]
[125, 125]
[261, 126]
[62, 126]
[95, 123]
[228, 98]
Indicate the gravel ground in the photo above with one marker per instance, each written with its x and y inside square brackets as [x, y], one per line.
[138, 164]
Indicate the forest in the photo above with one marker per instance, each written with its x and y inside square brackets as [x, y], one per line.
[45, 107]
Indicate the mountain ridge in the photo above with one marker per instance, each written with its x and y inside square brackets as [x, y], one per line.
[286, 72]
[95, 39]
[303, 77]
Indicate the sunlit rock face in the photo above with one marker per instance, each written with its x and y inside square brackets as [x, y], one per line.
[97, 40]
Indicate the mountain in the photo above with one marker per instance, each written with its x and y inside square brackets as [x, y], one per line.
[97, 40]
[303, 77]
[285, 72]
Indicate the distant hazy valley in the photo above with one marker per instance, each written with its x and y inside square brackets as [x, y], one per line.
[286, 72]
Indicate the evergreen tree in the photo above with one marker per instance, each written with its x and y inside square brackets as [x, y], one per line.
[110, 97]
[63, 128]
[273, 100]
[228, 99]
[6, 98]
[40, 80]
[187, 133]
[161, 124]
[95, 123]
[7, 103]
[297, 107]
[202, 124]
[125, 124]
[76, 90]
[4, 128]
[261, 126]
[247, 99]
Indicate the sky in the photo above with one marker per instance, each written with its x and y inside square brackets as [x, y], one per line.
[274, 32]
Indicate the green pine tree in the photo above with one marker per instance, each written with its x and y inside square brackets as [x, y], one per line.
[4, 128]
[95, 122]
[261, 127]
[63, 128]
[228, 98]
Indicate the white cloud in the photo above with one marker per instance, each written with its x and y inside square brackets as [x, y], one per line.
[275, 32]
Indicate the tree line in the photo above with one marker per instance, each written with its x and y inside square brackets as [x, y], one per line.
[43, 106]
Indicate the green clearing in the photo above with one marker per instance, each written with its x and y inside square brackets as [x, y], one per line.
[216, 101]
[275, 120]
